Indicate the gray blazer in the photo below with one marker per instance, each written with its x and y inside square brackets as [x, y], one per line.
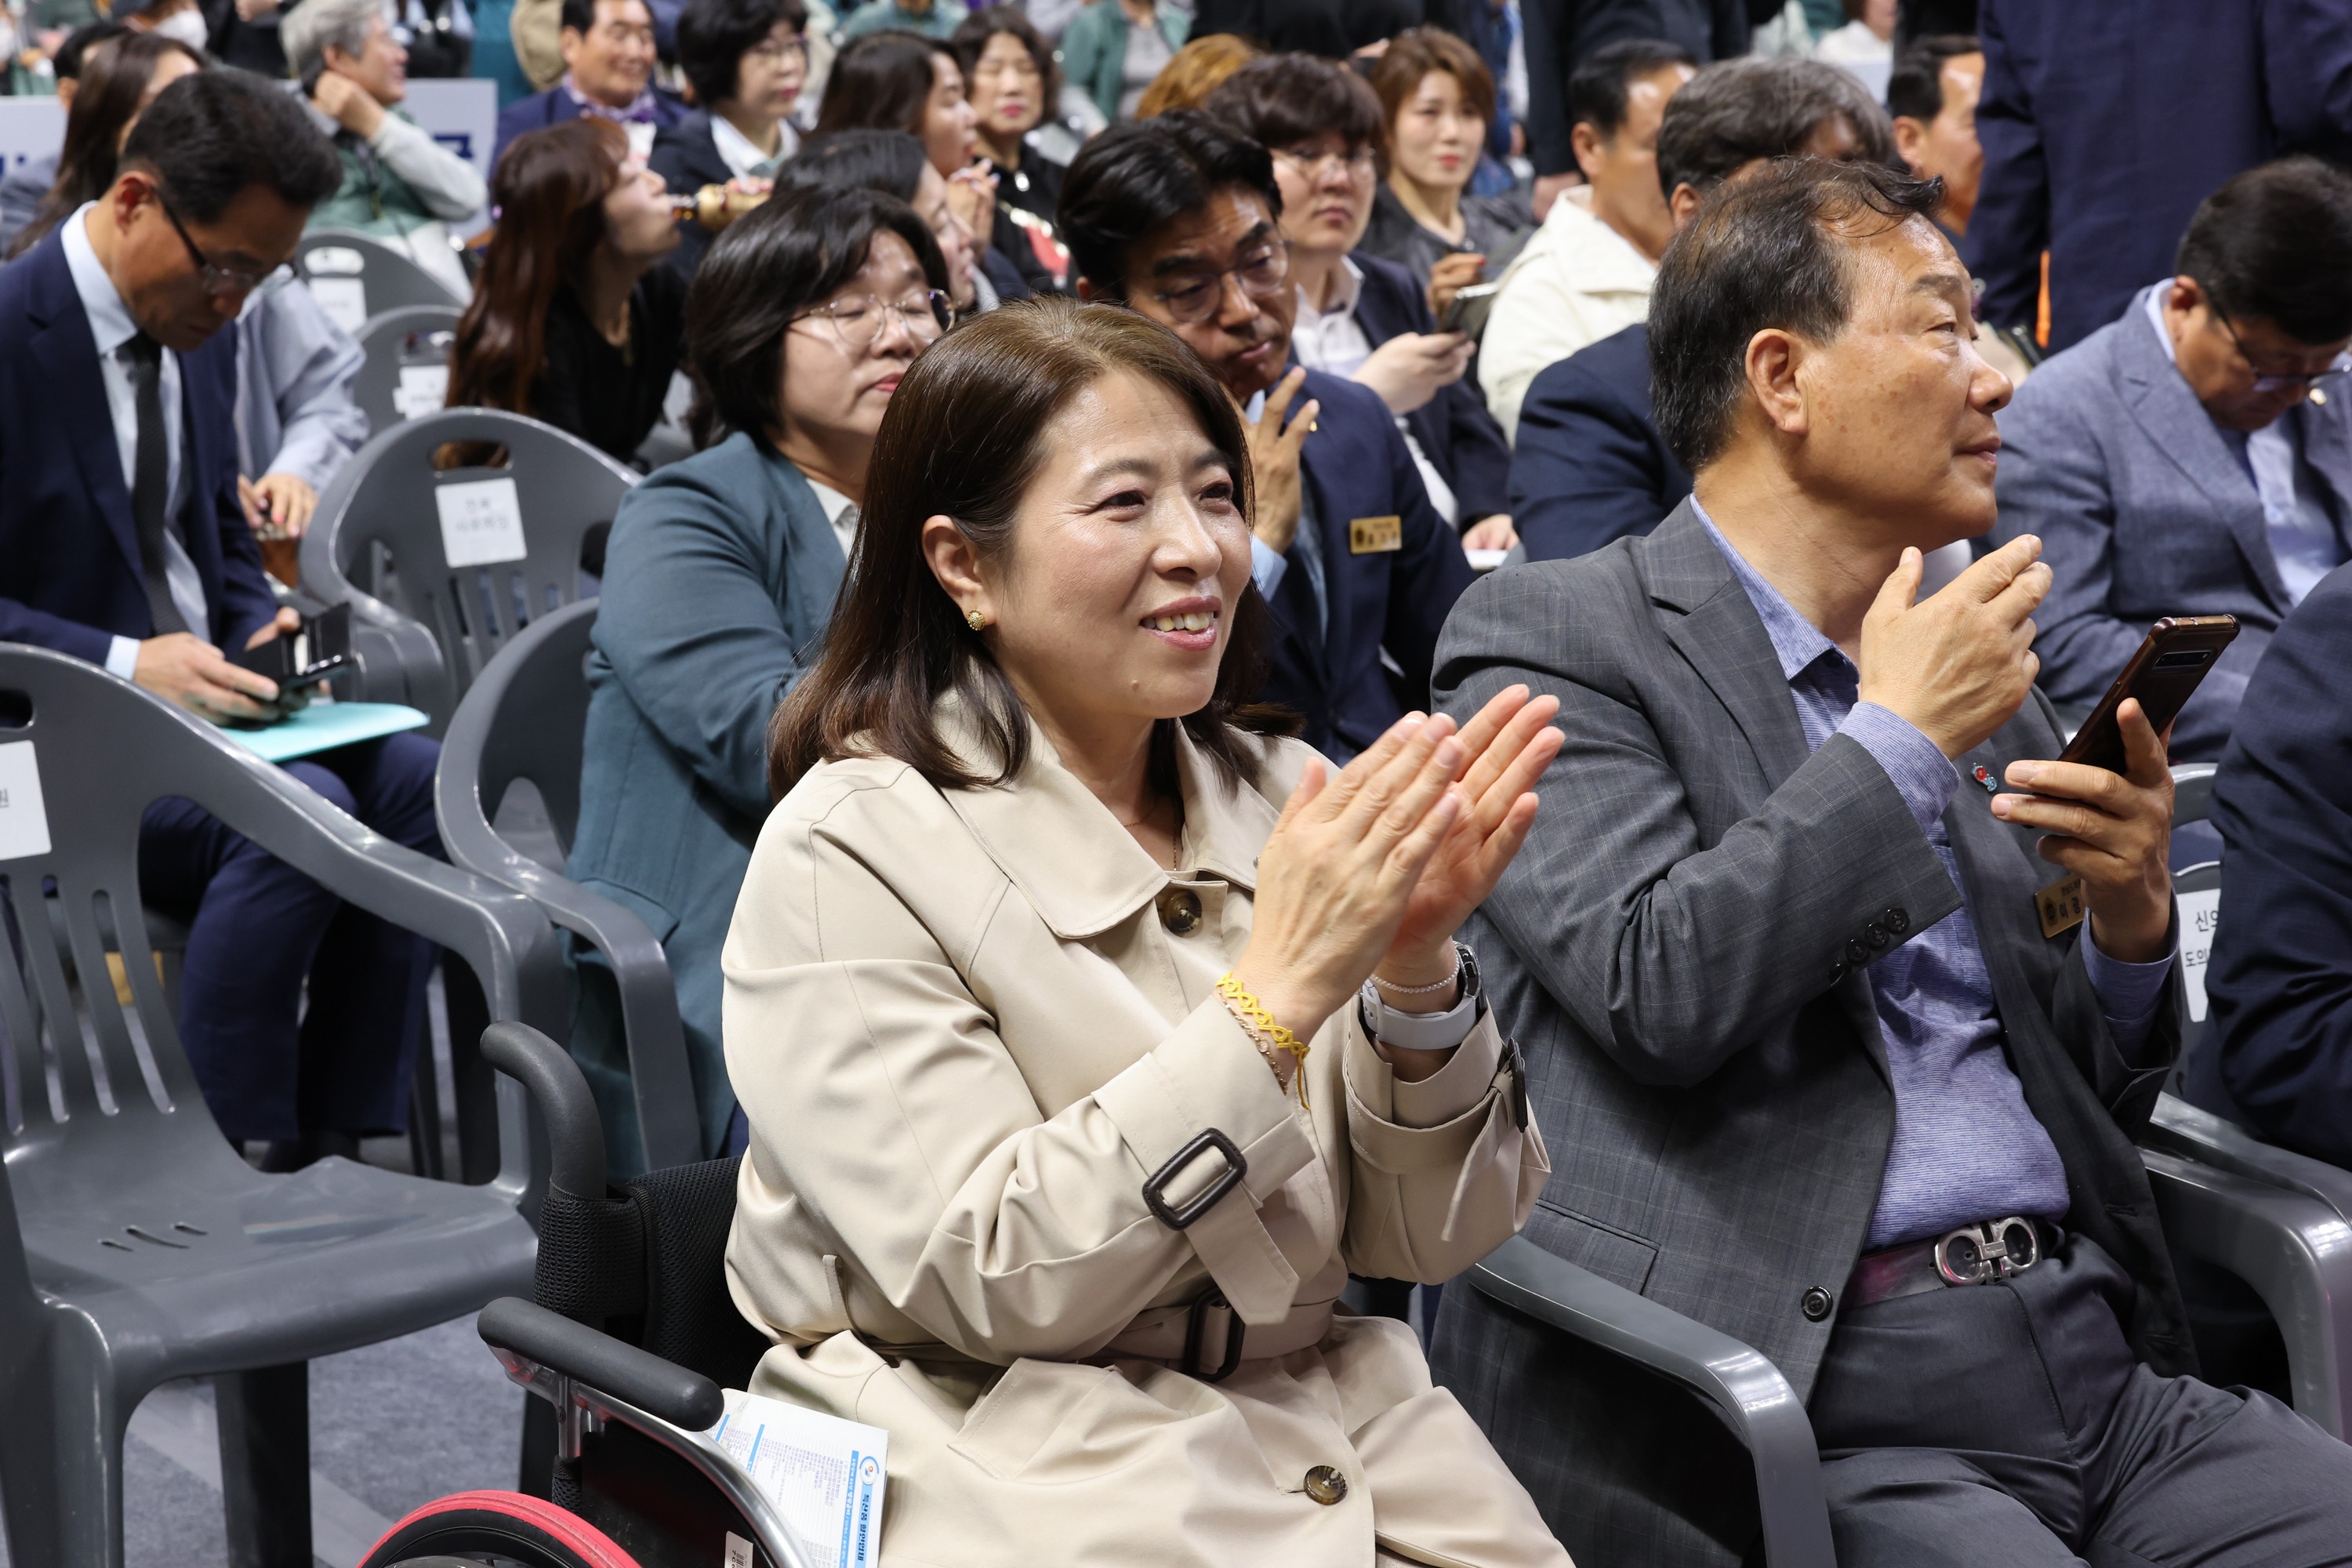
[1677, 949]
[2143, 512]
[719, 578]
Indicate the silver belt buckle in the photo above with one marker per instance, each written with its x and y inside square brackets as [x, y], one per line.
[1988, 1251]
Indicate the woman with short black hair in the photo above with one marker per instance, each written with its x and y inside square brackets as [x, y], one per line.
[747, 60]
[1011, 75]
[718, 580]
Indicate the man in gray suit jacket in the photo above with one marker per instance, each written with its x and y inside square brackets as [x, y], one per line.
[1811, 1067]
[2195, 458]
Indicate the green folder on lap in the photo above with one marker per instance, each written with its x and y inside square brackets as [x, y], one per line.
[323, 726]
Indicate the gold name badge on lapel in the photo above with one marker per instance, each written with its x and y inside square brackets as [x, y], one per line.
[1375, 535]
[2060, 905]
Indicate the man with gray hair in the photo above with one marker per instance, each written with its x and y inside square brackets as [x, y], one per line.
[399, 184]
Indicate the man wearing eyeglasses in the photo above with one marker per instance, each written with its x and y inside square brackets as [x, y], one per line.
[2195, 456]
[1178, 219]
[122, 542]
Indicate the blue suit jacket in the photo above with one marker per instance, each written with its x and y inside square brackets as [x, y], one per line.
[1589, 466]
[2143, 510]
[70, 576]
[1354, 464]
[555, 106]
[1453, 428]
[2279, 982]
[719, 577]
[2105, 123]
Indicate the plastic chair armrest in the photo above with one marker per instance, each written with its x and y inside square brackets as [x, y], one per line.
[575, 1351]
[2295, 1250]
[2181, 1129]
[1748, 1390]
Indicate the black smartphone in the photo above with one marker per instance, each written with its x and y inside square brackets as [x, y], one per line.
[1468, 309]
[320, 648]
[2175, 655]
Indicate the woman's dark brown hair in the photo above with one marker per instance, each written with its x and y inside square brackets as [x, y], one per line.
[113, 86]
[549, 193]
[1412, 54]
[881, 82]
[970, 41]
[963, 437]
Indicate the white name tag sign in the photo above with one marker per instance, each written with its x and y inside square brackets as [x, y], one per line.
[422, 389]
[481, 521]
[344, 300]
[2201, 917]
[23, 821]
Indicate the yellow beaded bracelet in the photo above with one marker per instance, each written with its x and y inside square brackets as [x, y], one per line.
[1251, 1013]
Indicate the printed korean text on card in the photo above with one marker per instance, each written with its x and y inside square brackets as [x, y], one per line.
[23, 821]
[481, 521]
[2201, 917]
[825, 1476]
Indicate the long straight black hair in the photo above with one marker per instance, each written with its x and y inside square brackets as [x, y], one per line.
[963, 437]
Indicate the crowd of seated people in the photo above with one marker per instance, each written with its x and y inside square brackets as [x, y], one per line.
[1064, 702]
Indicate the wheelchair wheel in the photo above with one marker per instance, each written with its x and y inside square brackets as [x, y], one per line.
[494, 1529]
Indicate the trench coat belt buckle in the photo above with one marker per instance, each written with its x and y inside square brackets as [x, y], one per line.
[1983, 1253]
[1191, 1336]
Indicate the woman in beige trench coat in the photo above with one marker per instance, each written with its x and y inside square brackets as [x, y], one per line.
[978, 1009]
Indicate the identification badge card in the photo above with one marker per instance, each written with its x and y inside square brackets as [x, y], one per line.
[1375, 535]
[2060, 905]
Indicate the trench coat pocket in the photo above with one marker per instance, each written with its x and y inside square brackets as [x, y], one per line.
[1048, 1421]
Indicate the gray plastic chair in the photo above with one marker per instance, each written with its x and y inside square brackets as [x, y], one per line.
[524, 719]
[412, 336]
[390, 279]
[135, 1244]
[377, 541]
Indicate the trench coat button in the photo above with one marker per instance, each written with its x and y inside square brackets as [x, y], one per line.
[1856, 950]
[1896, 921]
[1816, 1304]
[1326, 1485]
[1179, 911]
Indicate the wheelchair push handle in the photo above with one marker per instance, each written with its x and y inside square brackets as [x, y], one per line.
[574, 1350]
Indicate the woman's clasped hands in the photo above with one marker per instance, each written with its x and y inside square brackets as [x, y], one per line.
[1369, 874]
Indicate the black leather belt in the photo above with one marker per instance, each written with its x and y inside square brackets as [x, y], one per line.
[1984, 1253]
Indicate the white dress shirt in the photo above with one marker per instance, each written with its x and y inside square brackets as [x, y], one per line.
[1335, 342]
[840, 511]
[110, 325]
[744, 155]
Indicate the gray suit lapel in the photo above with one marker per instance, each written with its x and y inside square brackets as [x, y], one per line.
[2327, 452]
[1717, 629]
[2178, 426]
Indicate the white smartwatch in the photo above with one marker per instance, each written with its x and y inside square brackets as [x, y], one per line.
[1426, 1031]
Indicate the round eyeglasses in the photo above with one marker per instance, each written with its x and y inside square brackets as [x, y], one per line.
[863, 318]
[2269, 381]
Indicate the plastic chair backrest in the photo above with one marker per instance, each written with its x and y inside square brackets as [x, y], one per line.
[405, 373]
[95, 1083]
[516, 531]
[356, 276]
[536, 731]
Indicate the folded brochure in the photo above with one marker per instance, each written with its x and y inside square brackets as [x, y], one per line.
[825, 1476]
[324, 726]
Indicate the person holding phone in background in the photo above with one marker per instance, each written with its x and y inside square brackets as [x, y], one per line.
[1358, 316]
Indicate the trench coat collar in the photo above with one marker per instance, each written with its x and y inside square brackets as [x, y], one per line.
[1069, 857]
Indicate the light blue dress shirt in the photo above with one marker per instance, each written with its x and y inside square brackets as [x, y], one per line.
[2304, 541]
[1966, 1146]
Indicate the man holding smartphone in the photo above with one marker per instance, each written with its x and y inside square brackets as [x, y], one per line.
[1827, 1054]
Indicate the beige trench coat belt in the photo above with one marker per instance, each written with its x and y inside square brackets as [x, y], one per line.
[1208, 1340]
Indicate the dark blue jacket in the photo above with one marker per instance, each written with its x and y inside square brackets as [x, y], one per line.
[2280, 980]
[2106, 124]
[1589, 466]
[555, 106]
[69, 564]
[1460, 439]
[1356, 465]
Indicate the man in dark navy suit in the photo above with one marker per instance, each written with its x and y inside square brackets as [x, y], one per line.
[1177, 218]
[1588, 465]
[2104, 125]
[608, 64]
[121, 542]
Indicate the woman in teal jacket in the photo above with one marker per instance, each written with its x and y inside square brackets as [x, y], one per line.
[1094, 49]
[719, 579]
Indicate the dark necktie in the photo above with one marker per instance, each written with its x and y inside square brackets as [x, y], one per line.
[150, 483]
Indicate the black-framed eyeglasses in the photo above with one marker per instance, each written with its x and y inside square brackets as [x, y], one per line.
[1262, 274]
[2272, 381]
[219, 281]
[862, 319]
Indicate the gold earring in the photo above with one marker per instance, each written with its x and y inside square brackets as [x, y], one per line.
[974, 619]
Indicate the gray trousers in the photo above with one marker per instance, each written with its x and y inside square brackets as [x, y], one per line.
[2009, 1423]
